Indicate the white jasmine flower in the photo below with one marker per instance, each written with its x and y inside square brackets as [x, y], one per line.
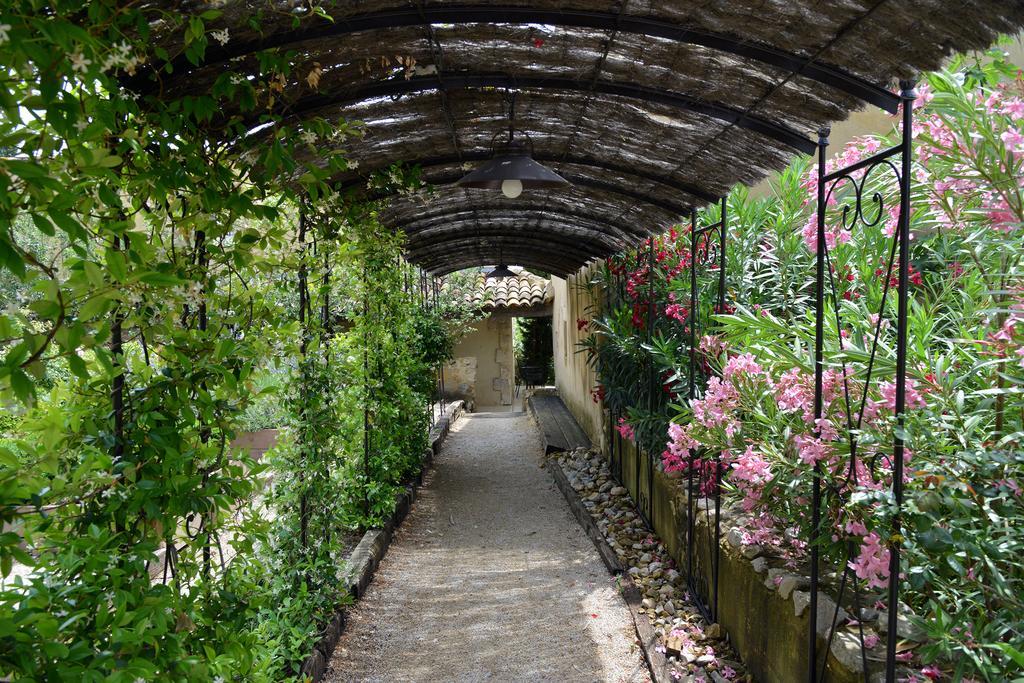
[79, 64]
[308, 136]
[220, 36]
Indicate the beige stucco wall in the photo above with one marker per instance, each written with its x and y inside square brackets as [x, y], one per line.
[483, 372]
[573, 377]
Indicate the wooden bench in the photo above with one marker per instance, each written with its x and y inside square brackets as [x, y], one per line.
[558, 427]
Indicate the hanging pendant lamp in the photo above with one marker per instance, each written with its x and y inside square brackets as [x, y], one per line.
[511, 168]
[501, 271]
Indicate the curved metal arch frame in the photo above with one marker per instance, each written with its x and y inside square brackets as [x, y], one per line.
[467, 214]
[831, 76]
[627, 230]
[446, 82]
[549, 158]
[426, 239]
[578, 181]
[526, 242]
[491, 255]
[488, 258]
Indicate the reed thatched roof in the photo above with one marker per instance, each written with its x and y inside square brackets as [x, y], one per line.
[649, 108]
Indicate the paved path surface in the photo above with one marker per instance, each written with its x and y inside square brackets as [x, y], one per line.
[490, 578]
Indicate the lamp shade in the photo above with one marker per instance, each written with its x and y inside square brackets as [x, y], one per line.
[500, 272]
[512, 164]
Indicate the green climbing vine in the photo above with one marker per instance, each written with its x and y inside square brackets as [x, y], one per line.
[159, 262]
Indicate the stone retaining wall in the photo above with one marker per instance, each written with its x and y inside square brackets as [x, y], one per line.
[762, 606]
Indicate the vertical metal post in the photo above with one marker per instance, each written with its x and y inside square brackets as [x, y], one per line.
[691, 382]
[636, 447]
[907, 95]
[716, 554]
[819, 357]
[721, 256]
[440, 366]
[653, 385]
[366, 394]
[303, 348]
[117, 381]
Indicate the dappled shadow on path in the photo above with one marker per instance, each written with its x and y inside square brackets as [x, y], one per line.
[490, 578]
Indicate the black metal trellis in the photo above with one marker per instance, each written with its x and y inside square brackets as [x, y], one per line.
[861, 210]
[703, 476]
[442, 403]
[653, 385]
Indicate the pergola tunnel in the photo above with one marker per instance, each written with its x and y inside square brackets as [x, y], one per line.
[287, 284]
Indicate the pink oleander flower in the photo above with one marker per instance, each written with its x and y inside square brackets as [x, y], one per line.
[743, 364]
[834, 235]
[728, 673]
[856, 528]
[870, 640]
[752, 468]
[811, 450]
[1014, 108]
[795, 391]
[677, 312]
[625, 429]
[872, 564]
[826, 430]
[712, 345]
[676, 456]
[1013, 139]
[714, 410]
[932, 673]
[913, 398]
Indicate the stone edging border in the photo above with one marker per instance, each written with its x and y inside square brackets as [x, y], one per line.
[656, 662]
[366, 556]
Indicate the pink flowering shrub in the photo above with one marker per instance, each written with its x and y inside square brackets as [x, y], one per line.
[648, 295]
[963, 517]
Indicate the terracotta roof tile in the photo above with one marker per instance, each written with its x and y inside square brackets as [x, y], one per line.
[526, 290]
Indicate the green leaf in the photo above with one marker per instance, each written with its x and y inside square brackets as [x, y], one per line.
[159, 279]
[27, 170]
[67, 223]
[116, 265]
[43, 224]
[77, 366]
[23, 387]
[94, 273]
[94, 307]
[1013, 653]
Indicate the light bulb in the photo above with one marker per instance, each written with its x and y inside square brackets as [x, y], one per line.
[512, 188]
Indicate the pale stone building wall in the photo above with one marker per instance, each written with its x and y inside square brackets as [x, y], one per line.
[483, 371]
[573, 376]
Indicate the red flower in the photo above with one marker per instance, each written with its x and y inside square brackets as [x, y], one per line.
[538, 42]
[581, 324]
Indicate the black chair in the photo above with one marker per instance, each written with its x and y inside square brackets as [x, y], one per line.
[531, 376]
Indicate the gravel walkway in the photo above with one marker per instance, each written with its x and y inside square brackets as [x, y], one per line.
[490, 578]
